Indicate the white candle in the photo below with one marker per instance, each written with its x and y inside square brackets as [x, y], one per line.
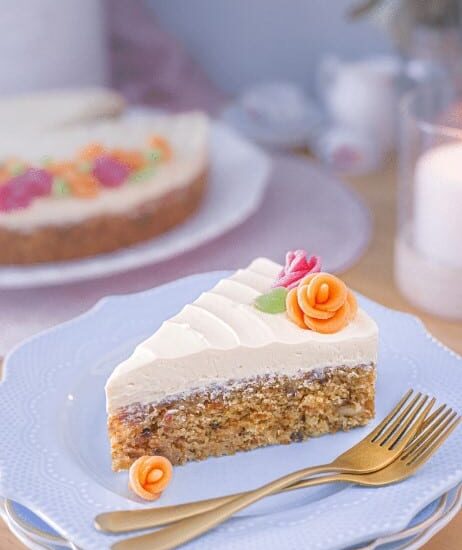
[425, 283]
[438, 205]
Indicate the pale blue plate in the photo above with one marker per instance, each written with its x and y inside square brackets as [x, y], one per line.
[436, 513]
[54, 456]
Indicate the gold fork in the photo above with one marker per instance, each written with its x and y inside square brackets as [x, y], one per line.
[119, 522]
[375, 451]
[412, 458]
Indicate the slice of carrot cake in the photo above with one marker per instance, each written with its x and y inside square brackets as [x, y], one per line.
[269, 355]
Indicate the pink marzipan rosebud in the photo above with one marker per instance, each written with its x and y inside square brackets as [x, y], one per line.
[297, 266]
[110, 172]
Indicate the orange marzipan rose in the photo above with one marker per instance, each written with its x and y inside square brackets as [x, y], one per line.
[61, 168]
[133, 159]
[85, 186]
[321, 302]
[91, 151]
[149, 476]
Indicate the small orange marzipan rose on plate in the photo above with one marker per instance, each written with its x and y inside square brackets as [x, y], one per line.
[149, 476]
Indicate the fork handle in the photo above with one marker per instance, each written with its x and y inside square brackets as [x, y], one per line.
[132, 520]
[191, 527]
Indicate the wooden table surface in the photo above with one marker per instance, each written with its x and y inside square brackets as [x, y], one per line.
[373, 276]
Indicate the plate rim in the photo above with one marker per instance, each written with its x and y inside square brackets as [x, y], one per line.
[434, 523]
[106, 302]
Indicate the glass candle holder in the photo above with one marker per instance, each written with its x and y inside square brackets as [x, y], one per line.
[428, 248]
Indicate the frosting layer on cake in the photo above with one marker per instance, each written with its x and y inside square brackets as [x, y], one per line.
[222, 337]
[188, 135]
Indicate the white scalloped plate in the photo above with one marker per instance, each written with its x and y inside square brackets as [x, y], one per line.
[35, 534]
[238, 176]
[54, 456]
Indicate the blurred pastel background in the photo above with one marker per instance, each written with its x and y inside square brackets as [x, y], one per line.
[349, 115]
[249, 39]
[317, 86]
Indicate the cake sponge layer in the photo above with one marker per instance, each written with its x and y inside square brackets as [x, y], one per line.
[244, 415]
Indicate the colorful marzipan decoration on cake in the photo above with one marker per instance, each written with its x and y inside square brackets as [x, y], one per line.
[322, 302]
[94, 168]
[149, 476]
[312, 299]
[297, 266]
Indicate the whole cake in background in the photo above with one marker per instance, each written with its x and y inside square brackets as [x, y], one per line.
[270, 355]
[99, 187]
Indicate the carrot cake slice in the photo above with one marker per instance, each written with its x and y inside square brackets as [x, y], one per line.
[99, 187]
[270, 355]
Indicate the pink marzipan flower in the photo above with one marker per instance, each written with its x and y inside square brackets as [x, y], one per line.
[297, 266]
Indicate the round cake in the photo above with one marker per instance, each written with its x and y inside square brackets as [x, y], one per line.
[97, 188]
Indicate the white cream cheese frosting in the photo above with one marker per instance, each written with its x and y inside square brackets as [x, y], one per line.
[222, 336]
[188, 135]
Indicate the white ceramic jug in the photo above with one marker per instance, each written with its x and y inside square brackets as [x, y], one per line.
[363, 96]
[52, 44]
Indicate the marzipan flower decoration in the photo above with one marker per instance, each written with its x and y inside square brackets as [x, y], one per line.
[297, 266]
[149, 476]
[92, 169]
[321, 302]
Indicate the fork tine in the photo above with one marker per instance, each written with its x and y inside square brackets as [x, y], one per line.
[391, 426]
[432, 417]
[430, 436]
[383, 438]
[376, 432]
[436, 444]
[408, 430]
[437, 421]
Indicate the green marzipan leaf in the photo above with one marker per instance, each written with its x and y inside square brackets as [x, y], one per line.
[142, 174]
[272, 302]
[84, 166]
[60, 187]
[153, 155]
[17, 169]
